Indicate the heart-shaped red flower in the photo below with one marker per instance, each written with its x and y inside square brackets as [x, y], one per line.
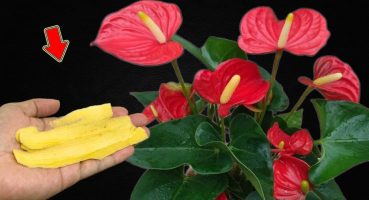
[170, 104]
[261, 30]
[141, 33]
[299, 142]
[291, 178]
[222, 196]
[234, 82]
[334, 79]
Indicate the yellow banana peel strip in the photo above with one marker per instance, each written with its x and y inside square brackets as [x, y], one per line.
[32, 139]
[85, 115]
[89, 133]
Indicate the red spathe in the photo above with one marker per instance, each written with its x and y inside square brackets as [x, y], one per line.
[251, 89]
[299, 142]
[170, 104]
[123, 35]
[347, 88]
[260, 31]
[289, 172]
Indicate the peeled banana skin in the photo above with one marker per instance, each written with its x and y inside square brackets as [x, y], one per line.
[85, 115]
[77, 137]
[33, 139]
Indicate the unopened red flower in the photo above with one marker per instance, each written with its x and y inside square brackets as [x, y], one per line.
[299, 142]
[141, 33]
[304, 32]
[222, 196]
[234, 82]
[334, 79]
[291, 178]
[170, 104]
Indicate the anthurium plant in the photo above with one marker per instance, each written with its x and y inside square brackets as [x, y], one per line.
[226, 134]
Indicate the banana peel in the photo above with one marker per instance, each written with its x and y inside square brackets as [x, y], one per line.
[85, 115]
[34, 139]
[77, 137]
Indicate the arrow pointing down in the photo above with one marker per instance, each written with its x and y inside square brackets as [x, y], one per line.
[56, 46]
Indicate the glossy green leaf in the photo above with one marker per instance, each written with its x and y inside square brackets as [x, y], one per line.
[172, 144]
[344, 138]
[173, 185]
[216, 50]
[239, 186]
[326, 191]
[250, 148]
[253, 196]
[206, 134]
[145, 98]
[201, 105]
[280, 99]
[293, 123]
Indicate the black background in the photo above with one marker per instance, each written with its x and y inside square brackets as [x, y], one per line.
[87, 76]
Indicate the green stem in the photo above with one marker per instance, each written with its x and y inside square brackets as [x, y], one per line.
[277, 59]
[191, 48]
[302, 98]
[185, 91]
[317, 142]
[222, 129]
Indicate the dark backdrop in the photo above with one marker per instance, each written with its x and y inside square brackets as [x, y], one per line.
[87, 76]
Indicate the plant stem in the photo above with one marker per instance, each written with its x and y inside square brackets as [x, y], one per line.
[302, 98]
[317, 142]
[185, 91]
[191, 48]
[277, 59]
[222, 129]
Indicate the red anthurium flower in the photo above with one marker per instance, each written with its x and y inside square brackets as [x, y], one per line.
[334, 79]
[222, 196]
[304, 32]
[170, 104]
[291, 178]
[234, 82]
[141, 33]
[299, 142]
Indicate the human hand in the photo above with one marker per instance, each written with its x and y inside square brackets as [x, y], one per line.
[20, 182]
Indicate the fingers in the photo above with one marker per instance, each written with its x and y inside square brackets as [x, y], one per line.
[39, 107]
[139, 119]
[73, 173]
[119, 111]
[91, 167]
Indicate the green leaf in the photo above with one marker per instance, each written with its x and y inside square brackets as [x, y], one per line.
[145, 98]
[207, 134]
[216, 50]
[280, 99]
[326, 191]
[293, 124]
[344, 138]
[173, 185]
[172, 144]
[250, 148]
[201, 105]
[239, 186]
[253, 196]
[295, 121]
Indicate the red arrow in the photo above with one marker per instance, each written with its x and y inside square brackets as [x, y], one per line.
[56, 46]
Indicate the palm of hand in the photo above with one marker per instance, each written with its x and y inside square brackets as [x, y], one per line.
[20, 182]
